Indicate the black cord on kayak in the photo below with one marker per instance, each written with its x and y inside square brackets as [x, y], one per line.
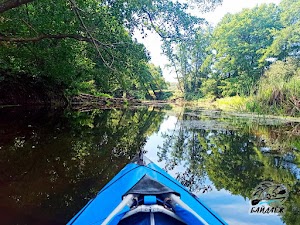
[193, 195]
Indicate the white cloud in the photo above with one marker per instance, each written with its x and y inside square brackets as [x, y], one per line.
[233, 6]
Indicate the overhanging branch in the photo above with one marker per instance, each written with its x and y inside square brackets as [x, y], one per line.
[48, 36]
[94, 41]
[10, 4]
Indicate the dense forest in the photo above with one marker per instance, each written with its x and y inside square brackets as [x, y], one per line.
[75, 46]
[60, 49]
[252, 53]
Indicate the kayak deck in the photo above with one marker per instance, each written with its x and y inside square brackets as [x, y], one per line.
[143, 193]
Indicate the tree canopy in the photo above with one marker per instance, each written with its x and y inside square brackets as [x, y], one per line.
[72, 42]
[231, 58]
[286, 44]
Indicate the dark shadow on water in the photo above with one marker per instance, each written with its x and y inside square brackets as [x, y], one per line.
[53, 162]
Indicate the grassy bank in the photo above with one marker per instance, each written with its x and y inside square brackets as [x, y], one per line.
[276, 93]
[242, 106]
[235, 103]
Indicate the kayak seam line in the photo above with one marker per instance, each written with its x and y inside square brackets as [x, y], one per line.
[187, 192]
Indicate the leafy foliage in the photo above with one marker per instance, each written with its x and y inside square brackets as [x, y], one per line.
[280, 89]
[188, 59]
[286, 44]
[231, 58]
[76, 42]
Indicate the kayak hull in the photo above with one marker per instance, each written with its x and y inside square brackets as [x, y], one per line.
[99, 208]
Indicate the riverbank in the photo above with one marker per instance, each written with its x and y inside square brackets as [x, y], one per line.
[24, 90]
[243, 106]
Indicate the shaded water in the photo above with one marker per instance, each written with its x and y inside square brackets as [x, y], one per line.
[53, 162]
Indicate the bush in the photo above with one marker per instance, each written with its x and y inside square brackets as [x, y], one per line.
[209, 87]
[279, 89]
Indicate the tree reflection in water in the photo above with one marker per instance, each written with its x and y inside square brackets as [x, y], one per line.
[53, 162]
[233, 157]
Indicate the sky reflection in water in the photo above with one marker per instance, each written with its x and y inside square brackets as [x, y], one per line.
[53, 162]
[233, 208]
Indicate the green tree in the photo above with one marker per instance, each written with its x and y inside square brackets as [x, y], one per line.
[75, 41]
[189, 61]
[240, 41]
[287, 41]
[65, 42]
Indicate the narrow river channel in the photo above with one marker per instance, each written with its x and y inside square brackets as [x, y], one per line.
[53, 161]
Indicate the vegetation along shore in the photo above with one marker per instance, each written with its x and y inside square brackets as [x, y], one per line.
[51, 52]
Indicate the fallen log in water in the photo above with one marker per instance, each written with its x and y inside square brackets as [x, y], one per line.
[87, 99]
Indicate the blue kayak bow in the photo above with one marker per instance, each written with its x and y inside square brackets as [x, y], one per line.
[143, 193]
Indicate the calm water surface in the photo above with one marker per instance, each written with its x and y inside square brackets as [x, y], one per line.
[53, 161]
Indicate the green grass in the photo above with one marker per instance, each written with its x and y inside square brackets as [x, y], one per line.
[235, 103]
[279, 90]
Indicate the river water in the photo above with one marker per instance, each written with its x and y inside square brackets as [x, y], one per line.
[53, 161]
